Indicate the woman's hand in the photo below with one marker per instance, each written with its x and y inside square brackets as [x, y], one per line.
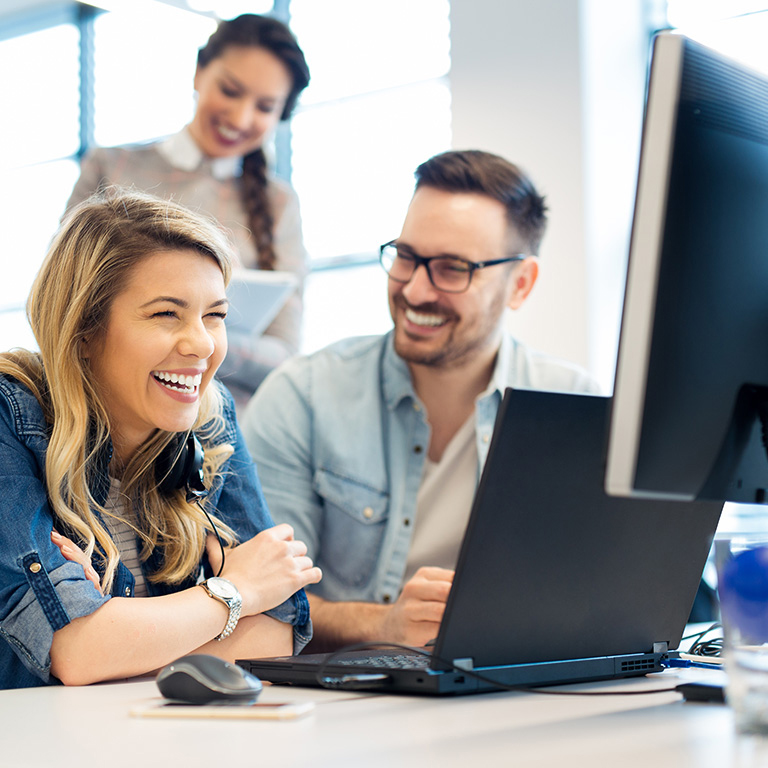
[72, 552]
[266, 569]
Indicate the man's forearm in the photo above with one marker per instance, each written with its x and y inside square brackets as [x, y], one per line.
[413, 619]
[338, 624]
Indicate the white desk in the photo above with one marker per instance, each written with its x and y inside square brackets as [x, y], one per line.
[54, 727]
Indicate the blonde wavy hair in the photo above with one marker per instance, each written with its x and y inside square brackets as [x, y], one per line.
[89, 262]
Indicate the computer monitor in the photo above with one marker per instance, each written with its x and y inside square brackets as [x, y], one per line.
[691, 388]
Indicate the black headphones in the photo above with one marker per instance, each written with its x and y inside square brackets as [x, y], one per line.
[180, 465]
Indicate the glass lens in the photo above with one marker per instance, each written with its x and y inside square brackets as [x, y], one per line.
[450, 274]
[399, 266]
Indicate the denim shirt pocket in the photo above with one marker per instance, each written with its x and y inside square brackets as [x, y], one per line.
[354, 522]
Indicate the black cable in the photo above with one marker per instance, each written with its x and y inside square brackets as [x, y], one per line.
[337, 684]
[711, 628]
[216, 533]
[711, 647]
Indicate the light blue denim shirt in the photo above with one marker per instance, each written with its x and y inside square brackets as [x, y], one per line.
[40, 591]
[340, 439]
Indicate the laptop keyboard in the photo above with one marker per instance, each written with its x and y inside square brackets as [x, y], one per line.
[388, 661]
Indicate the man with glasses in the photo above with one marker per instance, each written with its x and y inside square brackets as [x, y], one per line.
[372, 448]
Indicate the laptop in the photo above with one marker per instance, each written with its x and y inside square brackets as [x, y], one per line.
[255, 297]
[556, 582]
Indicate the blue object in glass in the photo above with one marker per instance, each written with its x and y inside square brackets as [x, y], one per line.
[744, 594]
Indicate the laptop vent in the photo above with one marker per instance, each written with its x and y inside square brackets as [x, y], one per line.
[638, 665]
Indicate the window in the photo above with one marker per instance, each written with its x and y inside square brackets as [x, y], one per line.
[143, 97]
[377, 106]
[37, 163]
[736, 28]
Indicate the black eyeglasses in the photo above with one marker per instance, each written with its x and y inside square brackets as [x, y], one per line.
[450, 274]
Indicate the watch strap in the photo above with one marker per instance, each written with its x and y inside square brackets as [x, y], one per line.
[234, 604]
[234, 617]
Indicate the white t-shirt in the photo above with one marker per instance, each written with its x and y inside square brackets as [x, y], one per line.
[443, 503]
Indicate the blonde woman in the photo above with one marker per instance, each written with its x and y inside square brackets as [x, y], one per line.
[120, 458]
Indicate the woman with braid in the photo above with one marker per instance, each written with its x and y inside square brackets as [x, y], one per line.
[249, 75]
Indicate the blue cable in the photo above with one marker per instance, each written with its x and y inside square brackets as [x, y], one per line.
[689, 663]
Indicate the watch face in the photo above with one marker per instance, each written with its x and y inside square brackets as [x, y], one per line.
[222, 587]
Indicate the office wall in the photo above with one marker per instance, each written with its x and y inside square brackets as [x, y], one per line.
[557, 86]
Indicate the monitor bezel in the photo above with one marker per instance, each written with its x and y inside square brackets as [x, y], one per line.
[659, 126]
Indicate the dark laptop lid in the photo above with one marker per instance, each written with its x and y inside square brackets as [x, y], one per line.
[553, 568]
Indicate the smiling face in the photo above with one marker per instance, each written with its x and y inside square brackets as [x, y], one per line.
[434, 328]
[165, 338]
[240, 97]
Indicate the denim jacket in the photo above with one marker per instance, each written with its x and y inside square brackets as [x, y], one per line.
[40, 591]
[340, 439]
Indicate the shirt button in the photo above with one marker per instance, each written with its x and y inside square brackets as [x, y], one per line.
[127, 591]
[417, 408]
[35, 567]
[387, 598]
[486, 438]
[417, 449]
[406, 522]
[368, 513]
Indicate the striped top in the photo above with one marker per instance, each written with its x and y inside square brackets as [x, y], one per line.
[123, 535]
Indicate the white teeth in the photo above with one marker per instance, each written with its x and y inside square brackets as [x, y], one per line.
[429, 320]
[182, 383]
[228, 133]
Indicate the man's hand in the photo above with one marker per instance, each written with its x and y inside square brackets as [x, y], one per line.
[414, 619]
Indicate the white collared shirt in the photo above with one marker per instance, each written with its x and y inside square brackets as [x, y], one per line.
[182, 152]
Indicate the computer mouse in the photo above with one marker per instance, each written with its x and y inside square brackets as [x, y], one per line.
[200, 679]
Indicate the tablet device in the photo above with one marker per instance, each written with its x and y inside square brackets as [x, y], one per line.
[255, 297]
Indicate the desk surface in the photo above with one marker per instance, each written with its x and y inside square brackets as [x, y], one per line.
[70, 726]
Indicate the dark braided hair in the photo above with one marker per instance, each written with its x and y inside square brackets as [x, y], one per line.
[252, 31]
[488, 174]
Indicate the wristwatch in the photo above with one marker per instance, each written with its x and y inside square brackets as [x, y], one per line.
[225, 592]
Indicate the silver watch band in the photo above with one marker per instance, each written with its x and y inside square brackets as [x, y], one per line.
[225, 592]
[234, 617]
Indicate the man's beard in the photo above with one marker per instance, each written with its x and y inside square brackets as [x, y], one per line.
[451, 353]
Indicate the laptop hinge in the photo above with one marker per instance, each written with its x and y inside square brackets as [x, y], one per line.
[661, 647]
[466, 663]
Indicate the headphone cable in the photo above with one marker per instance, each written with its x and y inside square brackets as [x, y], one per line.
[216, 533]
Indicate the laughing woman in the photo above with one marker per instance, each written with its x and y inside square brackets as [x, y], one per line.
[121, 462]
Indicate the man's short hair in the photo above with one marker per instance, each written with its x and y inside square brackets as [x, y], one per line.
[488, 174]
